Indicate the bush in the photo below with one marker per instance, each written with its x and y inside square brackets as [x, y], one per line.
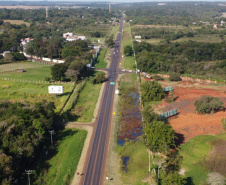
[175, 77]
[208, 105]
[157, 78]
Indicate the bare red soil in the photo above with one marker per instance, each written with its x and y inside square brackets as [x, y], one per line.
[187, 123]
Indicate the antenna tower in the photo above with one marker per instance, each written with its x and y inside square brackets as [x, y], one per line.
[109, 8]
[47, 12]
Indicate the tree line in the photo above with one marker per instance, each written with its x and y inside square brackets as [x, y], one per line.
[183, 58]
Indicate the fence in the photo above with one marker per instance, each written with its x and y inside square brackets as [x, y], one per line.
[36, 81]
[190, 79]
[11, 70]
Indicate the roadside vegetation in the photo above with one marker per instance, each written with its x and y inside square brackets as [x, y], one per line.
[61, 164]
[100, 62]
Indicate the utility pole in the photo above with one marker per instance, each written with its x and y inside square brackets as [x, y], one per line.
[28, 172]
[51, 133]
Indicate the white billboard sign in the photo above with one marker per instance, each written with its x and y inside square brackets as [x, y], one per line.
[53, 89]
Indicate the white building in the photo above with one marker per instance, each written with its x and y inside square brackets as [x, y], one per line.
[23, 42]
[70, 37]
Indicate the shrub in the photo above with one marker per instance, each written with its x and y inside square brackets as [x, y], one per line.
[175, 77]
[208, 105]
[157, 78]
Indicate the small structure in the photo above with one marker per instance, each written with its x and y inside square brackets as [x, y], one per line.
[167, 89]
[21, 70]
[168, 114]
[146, 75]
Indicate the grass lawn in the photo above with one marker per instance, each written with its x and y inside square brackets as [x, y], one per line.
[194, 152]
[115, 31]
[100, 63]
[29, 74]
[63, 165]
[137, 165]
[32, 92]
[18, 22]
[128, 81]
[20, 65]
[86, 102]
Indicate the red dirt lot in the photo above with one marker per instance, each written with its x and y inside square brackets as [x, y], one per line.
[188, 123]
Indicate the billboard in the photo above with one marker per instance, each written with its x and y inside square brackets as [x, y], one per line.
[53, 89]
[137, 37]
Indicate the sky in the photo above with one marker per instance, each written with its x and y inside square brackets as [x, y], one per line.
[122, 0]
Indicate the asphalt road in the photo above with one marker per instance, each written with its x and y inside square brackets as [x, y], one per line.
[96, 160]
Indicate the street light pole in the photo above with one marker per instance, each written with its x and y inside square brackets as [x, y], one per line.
[51, 133]
[28, 172]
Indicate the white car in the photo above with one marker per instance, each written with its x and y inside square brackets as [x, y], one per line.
[123, 70]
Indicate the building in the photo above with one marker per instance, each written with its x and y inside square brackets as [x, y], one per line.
[70, 37]
[23, 42]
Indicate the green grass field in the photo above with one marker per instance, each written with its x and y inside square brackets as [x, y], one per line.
[20, 65]
[32, 92]
[194, 152]
[138, 162]
[18, 22]
[36, 74]
[64, 164]
[127, 61]
[86, 102]
[100, 63]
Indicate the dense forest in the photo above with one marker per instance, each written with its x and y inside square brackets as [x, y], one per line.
[174, 13]
[24, 137]
[187, 57]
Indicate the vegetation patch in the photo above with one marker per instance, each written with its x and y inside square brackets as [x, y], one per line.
[84, 108]
[34, 74]
[32, 92]
[20, 65]
[197, 151]
[137, 165]
[100, 62]
[63, 164]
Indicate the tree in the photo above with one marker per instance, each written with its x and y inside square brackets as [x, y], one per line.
[58, 71]
[100, 78]
[72, 74]
[6, 170]
[149, 115]
[158, 136]
[128, 50]
[172, 179]
[152, 91]
[208, 104]
[79, 66]
[175, 77]
[110, 42]
[71, 51]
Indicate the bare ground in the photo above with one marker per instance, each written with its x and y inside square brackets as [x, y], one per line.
[188, 124]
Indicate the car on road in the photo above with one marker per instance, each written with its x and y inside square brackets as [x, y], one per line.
[92, 67]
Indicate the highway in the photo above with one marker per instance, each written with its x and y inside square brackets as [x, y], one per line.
[94, 169]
